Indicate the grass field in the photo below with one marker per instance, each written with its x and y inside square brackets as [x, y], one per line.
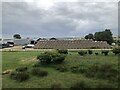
[12, 60]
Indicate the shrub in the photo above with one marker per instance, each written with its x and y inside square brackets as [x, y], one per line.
[96, 53]
[44, 58]
[39, 72]
[105, 52]
[49, 53]
[104, 71]
[116, 51]
[58, 59]
[62, 51]
[21, 69]
[101, 71]
[85, 52]
[48, 57]
[82, 53]
[19, 76]
[79, 85]
[90, 52]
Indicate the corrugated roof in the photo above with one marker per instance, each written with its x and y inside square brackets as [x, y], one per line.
[70, 44]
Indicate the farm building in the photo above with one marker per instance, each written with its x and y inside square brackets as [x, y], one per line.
[21, 41]
[18, 41]
[71, 44]
[24, 41]
[4, 43]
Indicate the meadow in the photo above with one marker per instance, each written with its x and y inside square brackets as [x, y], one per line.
[76, 73]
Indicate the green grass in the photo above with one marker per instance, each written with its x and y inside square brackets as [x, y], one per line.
[12, 60]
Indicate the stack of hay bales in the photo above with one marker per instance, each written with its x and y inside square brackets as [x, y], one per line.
[71, 44]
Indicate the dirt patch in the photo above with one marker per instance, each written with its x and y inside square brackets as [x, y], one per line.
[6, 71]
[27, 60]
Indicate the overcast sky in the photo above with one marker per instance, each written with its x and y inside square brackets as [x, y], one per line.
[58, 19]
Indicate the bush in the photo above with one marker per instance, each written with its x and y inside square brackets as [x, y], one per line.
[104, 71]
[96, 53]
[82, 53]
[90, 52]
[101, 71]
[21, 69]
[116, 51]
[47, 58]
[39, 72]
[62, 51]
[19, 76]
[105, 52]
[44, 58]
[58, 59]
[85, 52]
[80, 85]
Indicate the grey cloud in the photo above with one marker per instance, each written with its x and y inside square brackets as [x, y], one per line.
[62, 20]
[99, 14]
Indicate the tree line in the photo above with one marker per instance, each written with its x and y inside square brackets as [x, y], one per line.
[101, 36]
[98, 36]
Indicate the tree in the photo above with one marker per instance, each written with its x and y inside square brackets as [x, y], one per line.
[17, 36]
[89, 36]
[86, 37]
[53, 38]
[38, 39]
[104, 36]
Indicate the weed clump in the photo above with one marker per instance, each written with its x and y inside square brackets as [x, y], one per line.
[58, 59]
[21, 69]
[82, 53]
[96, 53]
[105, 52]
[116, 51]
[54, 58]
[62, 51]
[90, 52]
[44, 58]
[19, 76]
[39, 72]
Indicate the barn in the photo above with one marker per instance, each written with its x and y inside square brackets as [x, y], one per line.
[71, 44]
